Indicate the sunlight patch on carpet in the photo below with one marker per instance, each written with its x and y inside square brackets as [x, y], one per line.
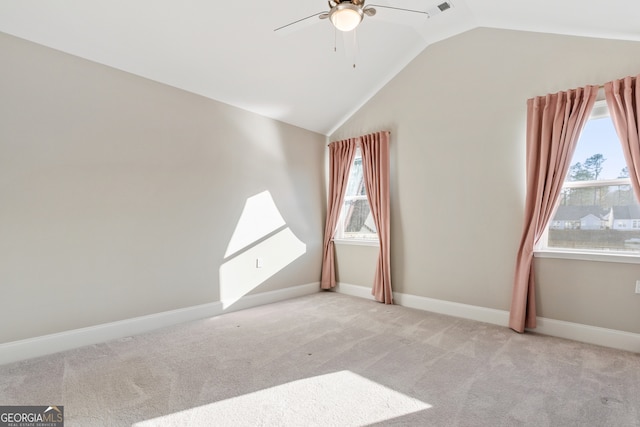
[340, 398]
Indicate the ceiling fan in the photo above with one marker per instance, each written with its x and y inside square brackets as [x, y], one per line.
[346, 15]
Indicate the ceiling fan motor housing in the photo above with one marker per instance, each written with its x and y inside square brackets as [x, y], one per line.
[334, 3]
[346, 15]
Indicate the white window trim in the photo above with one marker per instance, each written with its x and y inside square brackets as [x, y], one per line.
[600, 256]
[597, 183]
[358, 197]
[357, 242]
[600, 110]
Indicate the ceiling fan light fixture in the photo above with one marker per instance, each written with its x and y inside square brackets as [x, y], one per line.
[346, 16]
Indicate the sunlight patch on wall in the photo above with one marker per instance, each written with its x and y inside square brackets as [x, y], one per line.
[259, 217]
[239, 275]
[261, 246]
[340, 398]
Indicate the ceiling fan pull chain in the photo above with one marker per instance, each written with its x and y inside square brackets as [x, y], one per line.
[355, 48]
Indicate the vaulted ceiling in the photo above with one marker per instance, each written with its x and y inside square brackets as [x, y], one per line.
[229, 51]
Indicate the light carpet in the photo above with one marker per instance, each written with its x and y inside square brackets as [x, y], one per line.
[333, 360]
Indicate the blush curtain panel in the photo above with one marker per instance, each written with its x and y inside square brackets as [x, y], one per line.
[375, 162]
[554, 123]
[376, 170]
[341, 155]
[623, 97]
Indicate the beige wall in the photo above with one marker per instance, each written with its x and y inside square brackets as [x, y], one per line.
[119, 196]
[457, 117]
[361, 267]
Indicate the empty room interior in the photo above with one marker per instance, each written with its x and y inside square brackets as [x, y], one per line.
[166, 173]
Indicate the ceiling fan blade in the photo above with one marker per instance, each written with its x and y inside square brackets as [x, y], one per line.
[431, 12]
[301, 20]
[396, 8]
[369, 11]
[323, 15]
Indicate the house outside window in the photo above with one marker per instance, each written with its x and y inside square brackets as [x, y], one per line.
[597, 210]
[356, 222]
[557, 224]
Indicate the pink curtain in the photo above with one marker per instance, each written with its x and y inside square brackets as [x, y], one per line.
[375, 161]
[554, 123]
[341, 155]
[623, 97]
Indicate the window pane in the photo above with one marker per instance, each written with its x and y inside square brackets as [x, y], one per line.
[598, 153]
[592, 215]
[605, 217]
[355, 185]
[356, 221]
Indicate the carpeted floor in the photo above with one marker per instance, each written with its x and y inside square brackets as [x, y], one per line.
[333, 360]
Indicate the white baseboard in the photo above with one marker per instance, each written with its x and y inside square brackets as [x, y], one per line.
[574, 331]
[354, 291]
[590, 334]
[465, 311]
[270, 297]
[53, 343]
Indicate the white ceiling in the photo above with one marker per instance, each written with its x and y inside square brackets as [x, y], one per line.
[229, 52]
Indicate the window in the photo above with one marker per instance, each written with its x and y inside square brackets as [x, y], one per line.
[356, 222]
[597, 210]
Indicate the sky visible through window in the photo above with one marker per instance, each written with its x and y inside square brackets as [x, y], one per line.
[599, 137]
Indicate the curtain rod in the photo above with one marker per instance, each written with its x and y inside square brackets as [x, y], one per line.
[388, 131]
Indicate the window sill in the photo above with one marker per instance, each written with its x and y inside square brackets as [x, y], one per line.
[356, 242]
[588, 256]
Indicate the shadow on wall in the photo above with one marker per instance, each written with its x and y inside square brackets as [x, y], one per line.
[261, 245]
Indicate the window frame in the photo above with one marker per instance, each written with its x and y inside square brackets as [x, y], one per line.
[338, 236]
[542, 250]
